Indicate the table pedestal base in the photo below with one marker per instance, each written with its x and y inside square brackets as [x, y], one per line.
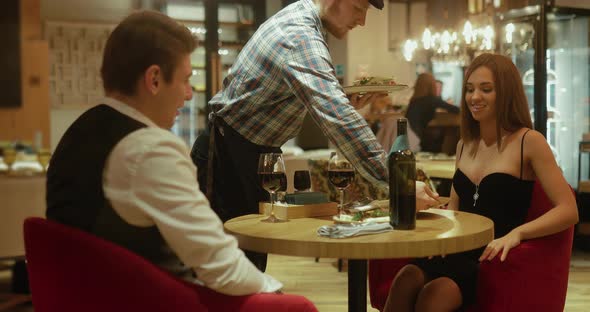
[357, 285]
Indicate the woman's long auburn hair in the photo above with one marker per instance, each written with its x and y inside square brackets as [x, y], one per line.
[512, 109]
[425, 86]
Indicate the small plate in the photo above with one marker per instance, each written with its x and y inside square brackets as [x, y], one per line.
[374, 88]
[346, 220]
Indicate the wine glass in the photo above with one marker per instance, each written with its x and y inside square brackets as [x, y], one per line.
[44, 156]
[271, 170]
[9, 157]
[302, 180]
[340, 174]
[282, 191]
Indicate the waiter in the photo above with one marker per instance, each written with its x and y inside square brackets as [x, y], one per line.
[282, 73]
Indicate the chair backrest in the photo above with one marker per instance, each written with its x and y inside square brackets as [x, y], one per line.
[71, 270]
[557, 252]
[521, 282]
[540, 204]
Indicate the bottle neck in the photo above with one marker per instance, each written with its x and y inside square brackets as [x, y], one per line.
[401, 142]
[402, 128]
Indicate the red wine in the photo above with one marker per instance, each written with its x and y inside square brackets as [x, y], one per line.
[402, 181]
[341, 178]
[301, 180]
[271, 181]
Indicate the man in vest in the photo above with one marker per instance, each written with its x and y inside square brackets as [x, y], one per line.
[120, 174]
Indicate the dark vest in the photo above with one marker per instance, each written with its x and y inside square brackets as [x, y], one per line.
[75, 195]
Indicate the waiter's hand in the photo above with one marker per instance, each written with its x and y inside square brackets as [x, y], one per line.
[359, 101]
[425, 197]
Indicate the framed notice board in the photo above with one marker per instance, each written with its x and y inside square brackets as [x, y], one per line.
[10, 78]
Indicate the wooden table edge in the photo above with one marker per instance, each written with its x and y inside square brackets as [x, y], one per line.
[356, 248]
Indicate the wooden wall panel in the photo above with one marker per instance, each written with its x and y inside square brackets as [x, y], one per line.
[35, 111]
[23, 122]
[30, 19]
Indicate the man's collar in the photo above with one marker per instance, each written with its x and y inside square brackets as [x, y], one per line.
[315, 7]
[128, 111]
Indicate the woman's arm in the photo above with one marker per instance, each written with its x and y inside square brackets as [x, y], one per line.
[564, 213]
[448, 107]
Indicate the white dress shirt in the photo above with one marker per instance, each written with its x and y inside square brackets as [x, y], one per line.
[149, 179]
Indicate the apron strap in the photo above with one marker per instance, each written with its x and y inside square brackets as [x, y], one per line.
[211, 157]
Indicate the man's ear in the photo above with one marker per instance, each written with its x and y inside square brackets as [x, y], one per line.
[153, 79]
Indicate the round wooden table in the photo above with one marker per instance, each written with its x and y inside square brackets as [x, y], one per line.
[437, 232]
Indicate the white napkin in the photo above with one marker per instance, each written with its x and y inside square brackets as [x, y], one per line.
[349, 230]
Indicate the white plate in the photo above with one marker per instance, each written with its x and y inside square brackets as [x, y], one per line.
[347, 219]
[374, 88]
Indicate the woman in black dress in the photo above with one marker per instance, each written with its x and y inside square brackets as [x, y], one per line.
[498, 159]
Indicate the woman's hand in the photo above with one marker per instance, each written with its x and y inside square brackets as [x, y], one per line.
[425, 197]
[502, 244]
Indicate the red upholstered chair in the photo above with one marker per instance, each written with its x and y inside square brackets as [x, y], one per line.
[533, 278]
[71, 270]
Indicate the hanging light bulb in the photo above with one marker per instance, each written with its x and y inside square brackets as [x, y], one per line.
[426, 39]
[509, 31]
[488, 37]
[468, 32]
[409, 48]
[445, 42]
[435, 41]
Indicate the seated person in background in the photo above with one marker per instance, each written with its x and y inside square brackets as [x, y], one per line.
[498, 161]
[120, 174]
[384, 126]
[423, 104]
[373, 111]
[439, 89]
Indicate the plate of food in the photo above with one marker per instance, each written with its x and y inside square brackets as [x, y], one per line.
[374, 84]
[374, 212]
[351, 219]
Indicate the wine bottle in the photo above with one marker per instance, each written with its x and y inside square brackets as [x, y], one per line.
[402, 180]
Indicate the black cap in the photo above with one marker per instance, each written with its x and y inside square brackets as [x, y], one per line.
[377, 3]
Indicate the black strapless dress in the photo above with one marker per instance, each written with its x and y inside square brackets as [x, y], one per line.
[504, 199]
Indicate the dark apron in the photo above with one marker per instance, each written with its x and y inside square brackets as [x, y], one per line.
[227, 170]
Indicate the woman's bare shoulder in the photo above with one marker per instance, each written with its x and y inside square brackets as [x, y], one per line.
[534, 137]
[535, 145]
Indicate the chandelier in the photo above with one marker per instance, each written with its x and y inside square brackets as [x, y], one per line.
[451, 45]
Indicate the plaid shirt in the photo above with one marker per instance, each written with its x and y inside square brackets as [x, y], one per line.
[284, 70]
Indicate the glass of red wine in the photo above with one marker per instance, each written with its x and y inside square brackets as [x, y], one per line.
[340, 174]
[302, 181]
[271, 171]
